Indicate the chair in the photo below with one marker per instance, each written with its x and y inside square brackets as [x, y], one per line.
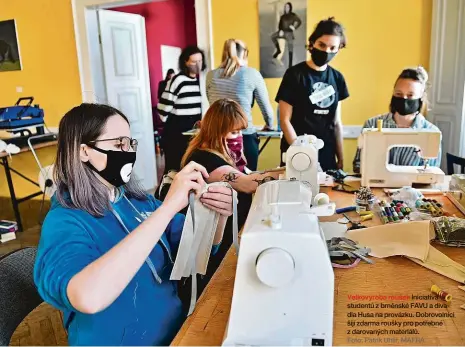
[18, 293]
[454, 160]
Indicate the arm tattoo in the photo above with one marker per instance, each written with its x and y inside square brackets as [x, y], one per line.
[264, 180]
[230, 177]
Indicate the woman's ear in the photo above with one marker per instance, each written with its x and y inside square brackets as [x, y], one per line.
[83, 153]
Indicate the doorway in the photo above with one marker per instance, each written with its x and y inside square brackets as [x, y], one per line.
[120, 55]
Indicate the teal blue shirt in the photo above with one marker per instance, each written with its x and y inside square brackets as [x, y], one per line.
[146, 312]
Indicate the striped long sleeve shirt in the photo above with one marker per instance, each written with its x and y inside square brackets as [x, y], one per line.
[181, 98]
[405, 156]
[245, 86]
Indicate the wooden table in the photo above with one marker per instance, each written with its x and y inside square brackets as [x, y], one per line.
[8, 170]
[390, 276]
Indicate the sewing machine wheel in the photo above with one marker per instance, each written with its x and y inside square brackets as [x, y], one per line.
[275, 267]
[301, 162]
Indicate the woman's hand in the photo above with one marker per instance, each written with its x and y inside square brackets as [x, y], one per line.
[191, 177]
[219, 199]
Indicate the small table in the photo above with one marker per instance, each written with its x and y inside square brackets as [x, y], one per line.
[8, 170]
[268, 135]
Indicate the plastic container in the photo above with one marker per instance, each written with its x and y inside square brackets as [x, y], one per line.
[364, 205]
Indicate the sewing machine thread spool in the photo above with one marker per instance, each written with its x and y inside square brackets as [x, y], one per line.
[418, 203]
[440, 293]
[379, 123]
[366, 217]
[400, 214]
[364, 213]
[384, 217]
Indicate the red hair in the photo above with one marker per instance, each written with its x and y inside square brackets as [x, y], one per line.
[223, 116]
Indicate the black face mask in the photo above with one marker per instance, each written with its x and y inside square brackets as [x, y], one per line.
[119, 166]
[321, 58]
[405, 106]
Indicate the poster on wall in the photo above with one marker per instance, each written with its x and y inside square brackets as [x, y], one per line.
[10, 59]
[283, 31]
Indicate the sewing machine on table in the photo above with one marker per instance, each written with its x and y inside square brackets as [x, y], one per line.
[284, 285]
[374, 160]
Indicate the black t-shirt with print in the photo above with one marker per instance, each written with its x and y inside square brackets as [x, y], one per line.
[314, 117]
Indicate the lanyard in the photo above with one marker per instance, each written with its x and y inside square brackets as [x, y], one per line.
[148, 261]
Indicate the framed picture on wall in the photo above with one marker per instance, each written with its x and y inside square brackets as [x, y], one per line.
[10, 59]
[283, 31]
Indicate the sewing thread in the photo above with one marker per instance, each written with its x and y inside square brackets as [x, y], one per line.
[440, 293]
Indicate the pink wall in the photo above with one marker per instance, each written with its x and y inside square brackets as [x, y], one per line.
[169, 22]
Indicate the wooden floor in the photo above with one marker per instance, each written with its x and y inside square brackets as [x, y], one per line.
[44, 325]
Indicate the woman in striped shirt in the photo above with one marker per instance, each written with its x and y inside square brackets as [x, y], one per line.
[407, 109]
[180, 106]
[234, 80]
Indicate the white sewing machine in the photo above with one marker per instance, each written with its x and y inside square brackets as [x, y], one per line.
[284, 286]
[374, 161]
[301, 161]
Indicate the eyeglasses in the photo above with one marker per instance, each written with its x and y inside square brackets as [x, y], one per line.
[124, 142]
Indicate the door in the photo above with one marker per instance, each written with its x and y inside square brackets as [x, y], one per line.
[125, 64]
[447, 75]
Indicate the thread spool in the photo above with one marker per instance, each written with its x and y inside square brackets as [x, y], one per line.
[364, 213]
[380, 124]
[440, 293]
[321, 199]
[366, 217]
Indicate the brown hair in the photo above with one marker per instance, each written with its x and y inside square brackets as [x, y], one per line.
[233, 50]
[417, 74]
[77, 185]
[328, 27]
[223, 116]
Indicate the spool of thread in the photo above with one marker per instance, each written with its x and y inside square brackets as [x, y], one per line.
[384, 217]
[380, 124]
[364, 213]
[346, 209]
[321, 199]
[366, 217]
[440, 293]
[400, 214]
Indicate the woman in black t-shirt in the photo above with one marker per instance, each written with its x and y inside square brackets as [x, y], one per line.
[217, 148]
[310, 94]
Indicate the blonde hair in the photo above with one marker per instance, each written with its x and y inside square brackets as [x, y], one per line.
[233, 51]
[222, 117]
[418, 74]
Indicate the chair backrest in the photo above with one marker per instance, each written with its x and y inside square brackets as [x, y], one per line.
[454, 160]
[18, 293]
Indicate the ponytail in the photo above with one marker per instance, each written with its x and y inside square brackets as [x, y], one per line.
[232, 50]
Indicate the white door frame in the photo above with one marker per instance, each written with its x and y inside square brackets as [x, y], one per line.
[204, 36]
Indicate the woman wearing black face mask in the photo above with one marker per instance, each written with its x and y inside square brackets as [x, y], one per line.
[407, 109]
[180, 106]
[106, 248]
[310, 94]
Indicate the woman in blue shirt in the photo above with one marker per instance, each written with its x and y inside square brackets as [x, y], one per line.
[107, 248]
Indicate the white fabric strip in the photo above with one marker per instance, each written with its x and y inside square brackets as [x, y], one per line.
[197, 240]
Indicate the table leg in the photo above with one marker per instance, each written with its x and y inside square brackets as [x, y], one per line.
[264, 145]
[14, 201]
